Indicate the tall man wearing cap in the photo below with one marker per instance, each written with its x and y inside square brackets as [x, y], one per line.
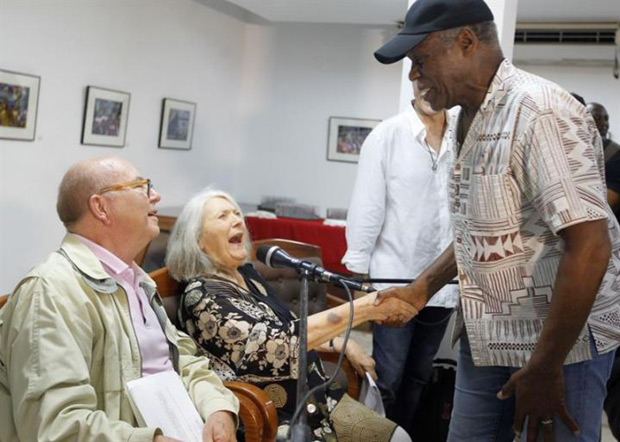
[536, 247]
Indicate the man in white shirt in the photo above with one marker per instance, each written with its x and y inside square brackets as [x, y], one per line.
[398, 222]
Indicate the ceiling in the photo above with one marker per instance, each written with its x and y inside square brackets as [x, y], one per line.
[387, 12]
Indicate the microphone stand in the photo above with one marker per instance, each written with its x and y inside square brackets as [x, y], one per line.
[300, 431]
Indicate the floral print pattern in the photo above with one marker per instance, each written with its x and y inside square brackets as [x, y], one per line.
[246, 340]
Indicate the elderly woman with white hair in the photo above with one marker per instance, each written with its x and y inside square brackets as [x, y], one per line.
[249, 335]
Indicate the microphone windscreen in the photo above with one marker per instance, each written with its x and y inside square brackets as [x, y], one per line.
[262, 252]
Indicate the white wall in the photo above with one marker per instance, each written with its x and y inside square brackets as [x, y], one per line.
[264, 96]
[296, 76]
[158, 49]
[264, 93]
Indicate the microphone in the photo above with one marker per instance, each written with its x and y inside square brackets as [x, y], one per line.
[274, 256]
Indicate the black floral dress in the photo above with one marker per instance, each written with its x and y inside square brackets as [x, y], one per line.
[249, 335]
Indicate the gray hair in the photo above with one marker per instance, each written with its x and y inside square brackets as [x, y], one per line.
[486, 32]
[184, 257]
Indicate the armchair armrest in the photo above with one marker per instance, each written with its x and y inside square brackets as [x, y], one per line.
[353, 380]
[256, 410]
[334, 301]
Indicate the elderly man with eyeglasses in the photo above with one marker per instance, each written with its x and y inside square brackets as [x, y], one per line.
[82, 324]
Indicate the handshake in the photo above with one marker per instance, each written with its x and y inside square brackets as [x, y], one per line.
[396, 306]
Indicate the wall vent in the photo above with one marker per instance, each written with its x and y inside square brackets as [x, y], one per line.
[567, 33]
[603, 35]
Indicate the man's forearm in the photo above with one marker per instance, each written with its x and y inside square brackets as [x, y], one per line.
[579, 276]
[438, 273]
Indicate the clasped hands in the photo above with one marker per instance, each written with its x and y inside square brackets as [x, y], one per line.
[398, 305]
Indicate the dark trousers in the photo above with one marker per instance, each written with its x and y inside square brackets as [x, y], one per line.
[612, 401]
[404, 358]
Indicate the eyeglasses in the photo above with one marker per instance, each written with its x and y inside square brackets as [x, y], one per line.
[130, 185]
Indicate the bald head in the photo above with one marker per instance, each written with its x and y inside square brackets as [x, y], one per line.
[82, 180]
[600, 116]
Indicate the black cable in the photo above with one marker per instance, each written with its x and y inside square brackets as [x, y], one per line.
[338, 365]
[393, 281]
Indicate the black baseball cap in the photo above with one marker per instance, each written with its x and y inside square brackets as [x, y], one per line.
[426, 16]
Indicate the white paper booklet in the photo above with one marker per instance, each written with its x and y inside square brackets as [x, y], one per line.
[370, 395]
[161, 401]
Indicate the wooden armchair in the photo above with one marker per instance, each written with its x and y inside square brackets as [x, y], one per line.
[3, 300]
[256, 410]
[287, 285]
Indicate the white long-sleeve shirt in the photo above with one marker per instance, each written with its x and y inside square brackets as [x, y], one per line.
[398, 220]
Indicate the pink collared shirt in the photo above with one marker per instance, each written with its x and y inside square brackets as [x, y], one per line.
[151, 339]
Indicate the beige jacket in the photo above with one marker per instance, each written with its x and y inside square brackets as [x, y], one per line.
[67, 348]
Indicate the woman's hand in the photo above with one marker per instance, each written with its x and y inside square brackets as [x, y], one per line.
[360, 360]
[391, 311]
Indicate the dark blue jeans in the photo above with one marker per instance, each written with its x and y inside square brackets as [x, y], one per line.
[479, 416]
[404, 358]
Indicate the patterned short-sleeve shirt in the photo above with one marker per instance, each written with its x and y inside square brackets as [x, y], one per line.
[530, 166]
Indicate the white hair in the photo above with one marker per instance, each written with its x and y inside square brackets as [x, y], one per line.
[184, 257]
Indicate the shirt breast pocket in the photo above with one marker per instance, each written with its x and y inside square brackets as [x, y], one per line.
[488, 198]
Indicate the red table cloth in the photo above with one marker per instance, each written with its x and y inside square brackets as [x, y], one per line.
[330, 239]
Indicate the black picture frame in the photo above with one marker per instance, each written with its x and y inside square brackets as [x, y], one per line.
[19, 103]
[106, 114]
[176, 128]
[346, 136]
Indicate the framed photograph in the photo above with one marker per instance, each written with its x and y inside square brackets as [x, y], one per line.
[105, 117]
[19, 99]
[346, 136]
[177, 124]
